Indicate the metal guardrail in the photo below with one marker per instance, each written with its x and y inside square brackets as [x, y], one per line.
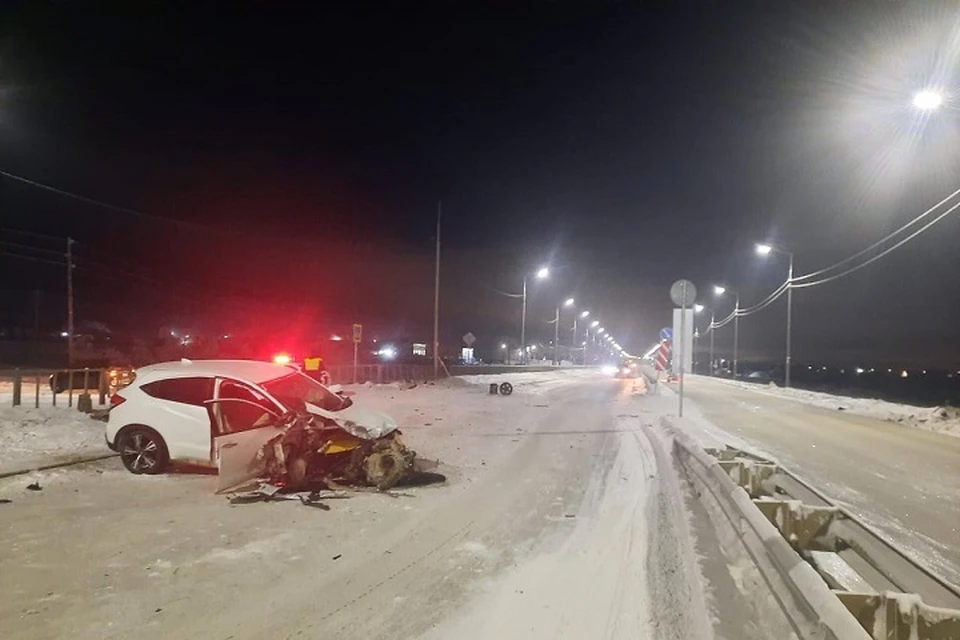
[886, 592]
[38, 381]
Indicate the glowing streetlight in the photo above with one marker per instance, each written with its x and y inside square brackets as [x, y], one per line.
[503, 346]
[719, 291]
[764, 249]
[541, 273]
[927, 100]
[584, 314]
[595, 324]
[568, 302]
[697, 308]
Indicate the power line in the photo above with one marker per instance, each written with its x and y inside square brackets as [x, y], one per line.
[884, 239]
[25, 247]
[881, 254]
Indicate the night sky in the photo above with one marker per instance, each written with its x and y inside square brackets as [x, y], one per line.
[291, 161]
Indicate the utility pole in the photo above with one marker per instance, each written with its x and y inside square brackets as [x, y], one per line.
[70, 301]
[573, 345]
[436, 301]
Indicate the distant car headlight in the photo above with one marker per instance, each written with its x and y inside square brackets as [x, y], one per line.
[608, 370]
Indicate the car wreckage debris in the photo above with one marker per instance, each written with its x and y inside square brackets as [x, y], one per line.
[267, 492]
[314, 451]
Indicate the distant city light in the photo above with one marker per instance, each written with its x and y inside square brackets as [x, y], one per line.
[336, 338]
[859, 370]
[503, 346]
[64, 334]
[904, 374]
[226, 336]
[387, 352]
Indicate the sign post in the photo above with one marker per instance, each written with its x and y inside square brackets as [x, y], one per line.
[684, 294]
[357, 336]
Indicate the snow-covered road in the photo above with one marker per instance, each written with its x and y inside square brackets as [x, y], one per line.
[562, 516]
[905, 481]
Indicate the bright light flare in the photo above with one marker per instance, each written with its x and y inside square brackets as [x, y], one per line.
[568, 302]
[608, 370]
[719, 291]
[503, 346]
[697, 308]
[584, 314]
[927, 100]
[387, 353]
[764, 249]
[282, 358]
[595, 324]
[543, 272]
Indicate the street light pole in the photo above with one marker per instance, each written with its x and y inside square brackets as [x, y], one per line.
[523, 325]
[736, 335]
[556, 337]
[789, 318]
[713, 315]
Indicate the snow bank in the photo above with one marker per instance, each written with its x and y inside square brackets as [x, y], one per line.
[30, 437]
[945, 420]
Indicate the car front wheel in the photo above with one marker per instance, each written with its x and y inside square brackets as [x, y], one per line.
[142, 450]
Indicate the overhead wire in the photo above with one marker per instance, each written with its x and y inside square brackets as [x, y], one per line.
[883, 240]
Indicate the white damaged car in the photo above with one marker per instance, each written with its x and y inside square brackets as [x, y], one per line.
[252, 420]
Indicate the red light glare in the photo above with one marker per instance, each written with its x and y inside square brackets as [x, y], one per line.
[282, 358]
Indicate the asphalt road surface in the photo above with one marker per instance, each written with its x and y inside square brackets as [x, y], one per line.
[904, 481]
[561, 517]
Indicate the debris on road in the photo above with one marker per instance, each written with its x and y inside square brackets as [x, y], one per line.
[34, 486]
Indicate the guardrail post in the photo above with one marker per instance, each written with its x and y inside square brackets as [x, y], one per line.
[36, 396]
[103, 386]
[70, 389]
[17, 387]
[53, 386]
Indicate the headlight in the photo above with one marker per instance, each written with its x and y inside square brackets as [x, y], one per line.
[608, 370]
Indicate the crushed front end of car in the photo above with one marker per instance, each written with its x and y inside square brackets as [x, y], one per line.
[314, 451]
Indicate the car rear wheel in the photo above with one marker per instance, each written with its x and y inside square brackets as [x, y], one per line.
[143, 451]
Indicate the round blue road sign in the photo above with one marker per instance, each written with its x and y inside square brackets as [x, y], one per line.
[666, 333]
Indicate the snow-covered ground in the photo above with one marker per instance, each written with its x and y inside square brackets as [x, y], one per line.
[32, 437]
[945, 420]
[561, 504]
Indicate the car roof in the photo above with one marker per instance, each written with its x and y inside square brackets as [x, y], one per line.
[247, 370]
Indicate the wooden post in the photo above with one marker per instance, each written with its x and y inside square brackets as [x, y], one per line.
[70, 388]
[36, 397]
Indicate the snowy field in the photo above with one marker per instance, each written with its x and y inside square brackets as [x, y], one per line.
[945, 420]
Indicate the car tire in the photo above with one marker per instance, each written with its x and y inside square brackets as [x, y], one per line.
[142, 451]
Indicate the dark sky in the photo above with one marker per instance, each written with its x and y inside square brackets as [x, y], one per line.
[294, 155]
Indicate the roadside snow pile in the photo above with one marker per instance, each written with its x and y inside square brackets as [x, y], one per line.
[31, 436]
[945, 420]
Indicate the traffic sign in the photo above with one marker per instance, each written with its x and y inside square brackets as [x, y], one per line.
[469, 339]
[662, 358]
[357, 333]
[683, 293]
[666, 333]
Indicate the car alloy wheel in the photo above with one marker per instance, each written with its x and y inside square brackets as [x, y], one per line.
[143, 452]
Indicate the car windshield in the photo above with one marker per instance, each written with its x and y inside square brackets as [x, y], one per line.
[296, 390]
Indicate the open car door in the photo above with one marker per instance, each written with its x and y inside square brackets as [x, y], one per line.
[245, 421]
